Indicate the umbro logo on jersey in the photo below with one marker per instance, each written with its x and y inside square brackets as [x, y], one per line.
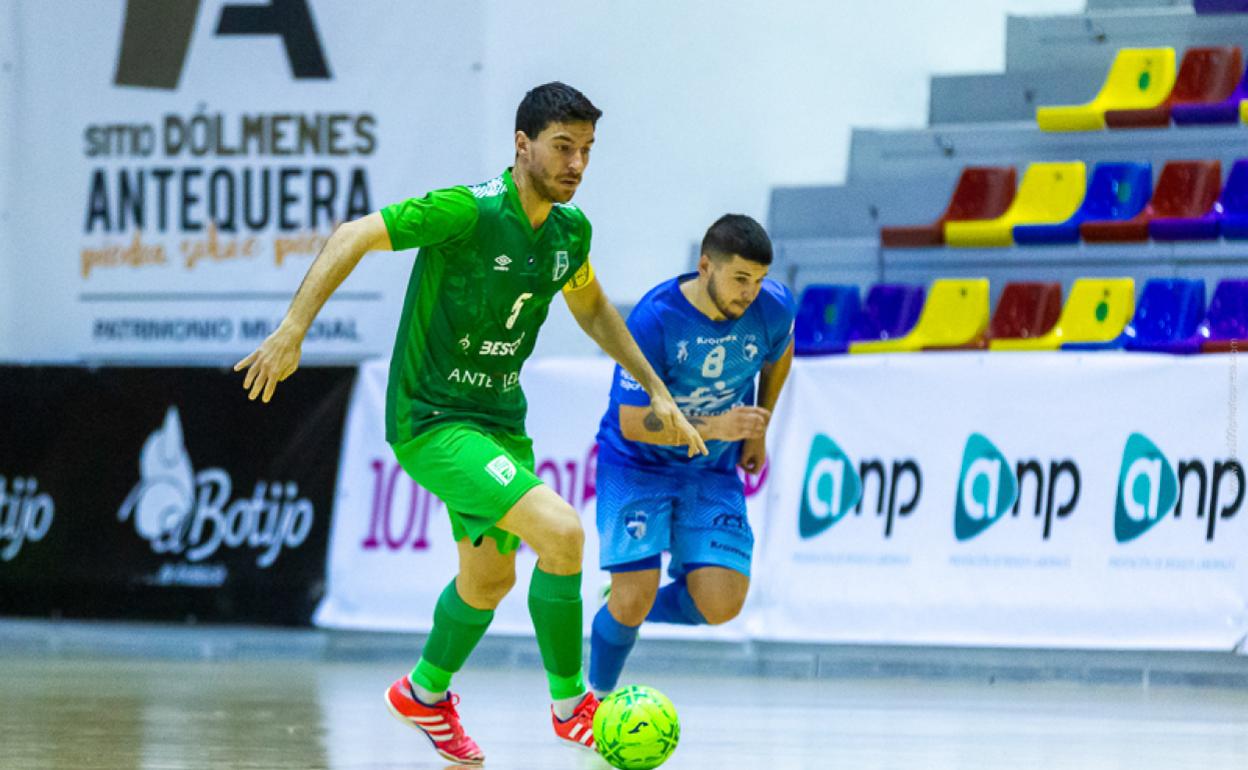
[502, 263]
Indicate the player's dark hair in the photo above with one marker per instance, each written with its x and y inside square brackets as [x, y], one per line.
[737, 234]
[553, 103]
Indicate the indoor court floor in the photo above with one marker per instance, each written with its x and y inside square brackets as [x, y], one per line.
[85, 712]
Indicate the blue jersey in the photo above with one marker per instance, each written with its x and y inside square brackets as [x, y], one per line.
[709, 367]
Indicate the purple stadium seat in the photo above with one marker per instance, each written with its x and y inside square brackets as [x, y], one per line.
[1210, 86]
[1233, 216]
[982, 192]
[1225, 327]
[1167, 317]
[1221, 6]
[891, 311]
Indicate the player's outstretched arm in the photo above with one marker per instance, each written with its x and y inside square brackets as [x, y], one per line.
[770, 382]
[638, 423]
[278, 356]
[602, 322]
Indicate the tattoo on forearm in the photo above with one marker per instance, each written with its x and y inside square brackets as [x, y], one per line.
[652, 422]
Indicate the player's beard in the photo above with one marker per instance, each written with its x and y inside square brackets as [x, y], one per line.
[551, 190]
[726, 310]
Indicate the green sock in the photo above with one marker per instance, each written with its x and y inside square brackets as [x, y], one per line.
[457, 627]
[555, 606]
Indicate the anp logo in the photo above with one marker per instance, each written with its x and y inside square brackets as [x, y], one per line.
[831, 488]
[989, 485]
[1148, 489]
[986, 488]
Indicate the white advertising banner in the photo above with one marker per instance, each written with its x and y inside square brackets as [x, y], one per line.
[391, 551]
[182, 162]
[1052, 500]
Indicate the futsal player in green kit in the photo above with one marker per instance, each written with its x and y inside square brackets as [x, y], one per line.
[492, 257]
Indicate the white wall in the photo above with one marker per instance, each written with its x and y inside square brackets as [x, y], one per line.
[710, 104]
[8, 168]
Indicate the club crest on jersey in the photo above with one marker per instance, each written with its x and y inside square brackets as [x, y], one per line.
[635, 524]
[561, 265]
[502, 469]
[502, 263]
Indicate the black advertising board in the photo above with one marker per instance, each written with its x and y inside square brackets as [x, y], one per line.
[163, 493]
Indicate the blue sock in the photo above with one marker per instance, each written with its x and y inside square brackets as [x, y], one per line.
[675, 605]
[610, 643]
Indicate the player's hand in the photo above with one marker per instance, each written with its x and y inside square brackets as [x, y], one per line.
[276, 359]
[743, 422]
[753, 455]
[667, 411]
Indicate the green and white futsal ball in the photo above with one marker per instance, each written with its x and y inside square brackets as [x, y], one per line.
[636, 728]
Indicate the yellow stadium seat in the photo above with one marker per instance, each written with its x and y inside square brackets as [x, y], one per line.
[1049, 193]
[954, 316]
[1243, 111]
[1139, 78]
[1097, 311]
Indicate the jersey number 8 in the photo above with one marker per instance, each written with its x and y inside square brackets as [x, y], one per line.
[713, 366]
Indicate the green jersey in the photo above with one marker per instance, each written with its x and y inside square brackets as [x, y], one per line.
[479, 291]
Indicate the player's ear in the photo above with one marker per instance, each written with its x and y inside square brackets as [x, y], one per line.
[704, 265]
[522, 144]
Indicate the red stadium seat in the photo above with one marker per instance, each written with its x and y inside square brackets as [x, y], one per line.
[1210, 86]
[1026, 310]
[982, 192]
[1187, 189]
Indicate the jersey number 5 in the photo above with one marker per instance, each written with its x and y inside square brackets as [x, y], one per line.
[515, 309]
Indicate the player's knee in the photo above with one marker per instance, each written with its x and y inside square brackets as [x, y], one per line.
[630, 604]
[486, 591]
[718, 606]
[562, 538]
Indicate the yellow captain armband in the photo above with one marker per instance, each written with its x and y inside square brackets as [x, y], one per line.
[579, 280]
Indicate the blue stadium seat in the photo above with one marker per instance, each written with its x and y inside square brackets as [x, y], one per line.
[826, 314]
[1233, 213]
[1117, 191]
[1167, 317]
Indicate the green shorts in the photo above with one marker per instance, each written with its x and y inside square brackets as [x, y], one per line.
[478, 474]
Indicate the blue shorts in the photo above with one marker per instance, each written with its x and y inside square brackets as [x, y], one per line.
[699, 518]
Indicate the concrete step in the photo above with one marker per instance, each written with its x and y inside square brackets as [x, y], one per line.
[920, 155]
[1011, 96]
[1089, 41]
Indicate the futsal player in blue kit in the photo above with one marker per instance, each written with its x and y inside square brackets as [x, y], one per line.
[709, 335]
